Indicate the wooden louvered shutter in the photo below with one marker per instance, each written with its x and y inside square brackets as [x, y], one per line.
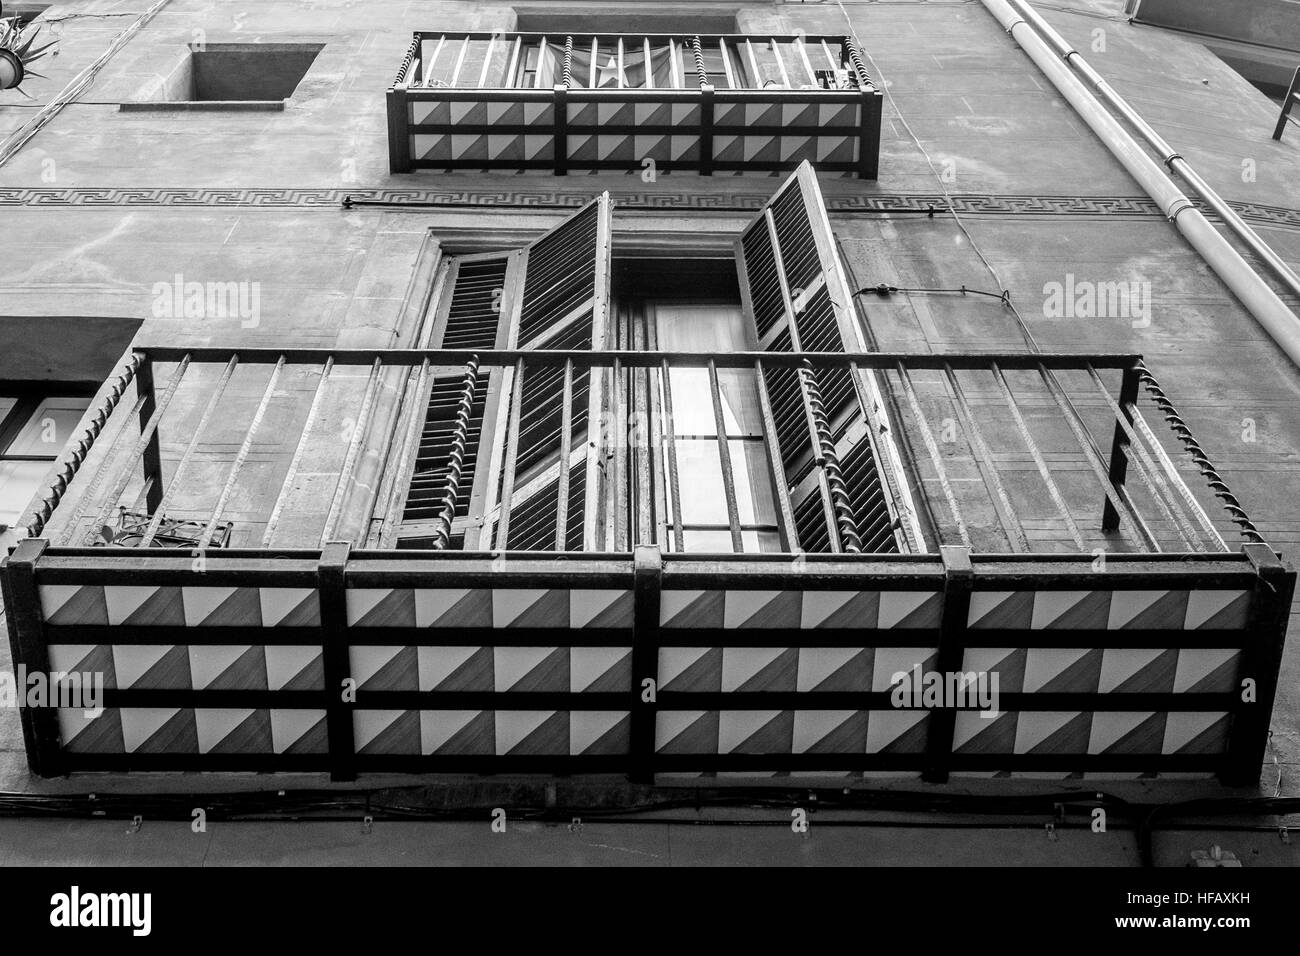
[795, 290]
[467, 317]
[563, 304]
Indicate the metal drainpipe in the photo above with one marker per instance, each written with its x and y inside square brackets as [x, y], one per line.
[1255, 294]
[1168, 155]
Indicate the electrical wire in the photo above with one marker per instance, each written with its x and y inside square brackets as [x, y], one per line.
[78, 85]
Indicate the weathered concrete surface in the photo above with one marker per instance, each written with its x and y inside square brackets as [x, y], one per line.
[988, 125]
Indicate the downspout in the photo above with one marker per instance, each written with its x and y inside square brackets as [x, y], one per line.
[1167, 154]
[1254, 293]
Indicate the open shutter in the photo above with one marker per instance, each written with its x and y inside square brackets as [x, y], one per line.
[438, 464]
[539, 467]
[486, 440]
[834, 449]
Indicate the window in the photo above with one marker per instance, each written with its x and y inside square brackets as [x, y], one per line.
[555, 454]
[232, 76]
[32, 433]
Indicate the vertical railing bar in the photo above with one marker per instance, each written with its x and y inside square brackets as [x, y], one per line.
[456, 456]
[512, 65]
[512, 456]
[567, 72]
[699, 62]
[756, 76]
[566, 446]
[832, 63]
[725, 54]
[1114, 495]
[647, 50]
[1148, 470]
[405, 460]
[785, 511]
[654, 458]
[622, 77]
[292, 474]
[543, 55]
[1039, 461]
[460, 62]
[428, 71]
[618, 491]
[487, 61]
[724, 453]
[801, 47]
[146, 436]
[242, 454]
[984, 461]
[780, 63]
[354, 448]
[593, 72]
[188, 454]
[671, 441]
[932, 447]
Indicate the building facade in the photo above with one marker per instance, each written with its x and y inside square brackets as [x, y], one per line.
[665, 390]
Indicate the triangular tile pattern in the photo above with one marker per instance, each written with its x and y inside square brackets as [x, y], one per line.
[84, 659]
[531, 669]
[532, 733]
[1110, 610]
[600, 669]
[829, 732]
[298, 731]
[686, 732]
[82, 734]
[233, 731]
[458, 732]
[599, 732]
[830, 669]
[696, 669]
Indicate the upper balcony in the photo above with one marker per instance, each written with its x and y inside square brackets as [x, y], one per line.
[601, 101]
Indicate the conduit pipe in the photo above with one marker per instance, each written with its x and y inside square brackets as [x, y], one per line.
[1254, 293]
[1168, 155]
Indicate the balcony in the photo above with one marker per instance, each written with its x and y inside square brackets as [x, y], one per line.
[525, 101]
[1123, 625]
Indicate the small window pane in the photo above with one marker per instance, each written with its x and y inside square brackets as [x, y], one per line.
[19, 481]
[49, 428]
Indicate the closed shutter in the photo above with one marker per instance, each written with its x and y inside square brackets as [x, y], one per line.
[833, 441]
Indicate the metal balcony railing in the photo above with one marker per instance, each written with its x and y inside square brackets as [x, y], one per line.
[1016, 452]
[606, 101]
[495, 659]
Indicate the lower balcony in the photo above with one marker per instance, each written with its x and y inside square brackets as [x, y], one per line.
[1057, 559]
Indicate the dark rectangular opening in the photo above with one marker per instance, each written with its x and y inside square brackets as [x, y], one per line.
[249, 71]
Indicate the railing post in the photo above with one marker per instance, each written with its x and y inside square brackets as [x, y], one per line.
[706, 110]
[30, 653]
[151, 460]
[330, 581]
[647, 585]
[1128, 393]
[561, 148]
[958, 577]
[1261, 659]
